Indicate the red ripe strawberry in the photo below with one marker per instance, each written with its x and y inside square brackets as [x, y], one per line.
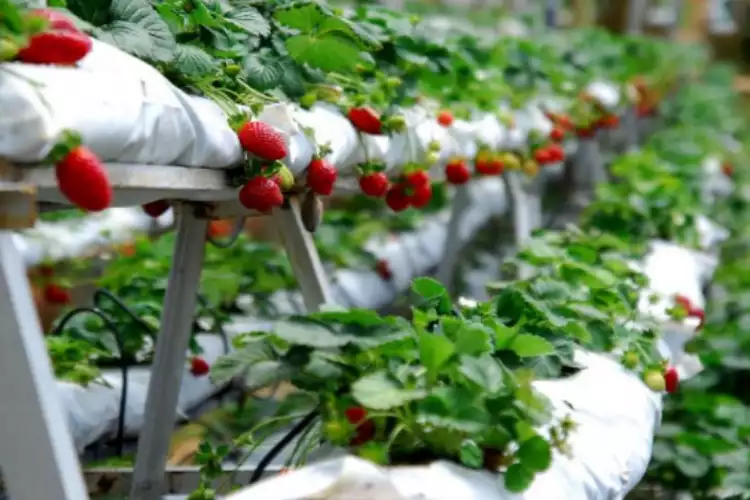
[609, 121]
[445, 118]
[56, 46]
[321, 176]
[384, 270]
[671, 379]
[557, 134]
[397, 198]
[696, 312]
[83, 180]
[585, 132]
[418, 178]
[543, 156]
[564, 122]
[366, 119]
[496, 165]
[261, 194]
[356, 415]
[456, 172]
[262, 140]
[375, 184]
[55, 294]
[556, 152]
[683, 302]
[156, 208]
[420, 195]
[199, 366]
[727, 169]
[219, 228]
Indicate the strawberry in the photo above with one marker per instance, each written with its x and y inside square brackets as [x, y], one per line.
[696, 312]
[585, 132]
[55, 294]
[727, 169]
[418, 178]
[375, 184]
[557, 134]
[496, 165]
[671, 379]
[654, 379]
[83, 180]
[384, 270]
[609, 121]
[456, 172]
[543, 156]
[262, 140]
[397, 198]
[420, 195]
[219, 228]
[356, 415]
[60, 43]
[321, 176]
[564, 122]
[445, 118]
[156, 208]
[199, 366]
[556, 152]
[55, 20]
[366, 119]
[127, 250]
[261, 194]
[683, 302]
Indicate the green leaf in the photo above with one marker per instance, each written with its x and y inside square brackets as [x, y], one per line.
[474, 340]
[518, 478]
[308, 334]
[194, 61]
[138, 29]
[471, 455]
[433, 293]
[249, 20]
[362, 38]
[261, 71]
[453, 408]
[434, 351]
[379, 392]
[329, 53]
[484, 371]
[265, 373]
[527, 345]
[535, 454]
[302, 16]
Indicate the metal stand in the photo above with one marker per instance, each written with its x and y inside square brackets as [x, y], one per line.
[39, 460]
[526, 210]
[171, 354]
[306, 264]
[588, 172]
[452, 247]
[630, 123]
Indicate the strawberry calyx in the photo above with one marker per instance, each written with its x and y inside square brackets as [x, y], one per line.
[68, 141]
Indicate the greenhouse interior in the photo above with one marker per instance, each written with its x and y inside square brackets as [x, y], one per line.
[374, 250]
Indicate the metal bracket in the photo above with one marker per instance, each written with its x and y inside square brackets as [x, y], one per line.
[39, 459]
[526, 209]
[300, 248]
[171, 354]
[452, 246]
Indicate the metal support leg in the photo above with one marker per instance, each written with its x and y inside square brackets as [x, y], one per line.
[630, 123]
[588, 171]
[37, 455]
[171, 354]
[636, 13]
[306, 264]
[523, 208]
[452, 247]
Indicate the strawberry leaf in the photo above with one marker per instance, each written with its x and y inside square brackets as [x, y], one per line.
[192, 60]
[249, 20]
[328, 52]
[261, 70]
[379, 392]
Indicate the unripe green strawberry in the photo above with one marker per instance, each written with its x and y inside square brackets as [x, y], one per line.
[654, 379]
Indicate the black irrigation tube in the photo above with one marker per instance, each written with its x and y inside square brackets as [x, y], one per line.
[122, 362]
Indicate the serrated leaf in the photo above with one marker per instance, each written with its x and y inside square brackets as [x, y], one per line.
[379, 392]
[329, 53]
[434, 351]
[535, 454]
[194, 61]
[138, 29]
[527, 345]
[483, 371]
[518, 478]
[474, 340]
[249, 20]
[301, 16]
[264, 374]
[261, 71]
[346, 28]
[308, 334]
